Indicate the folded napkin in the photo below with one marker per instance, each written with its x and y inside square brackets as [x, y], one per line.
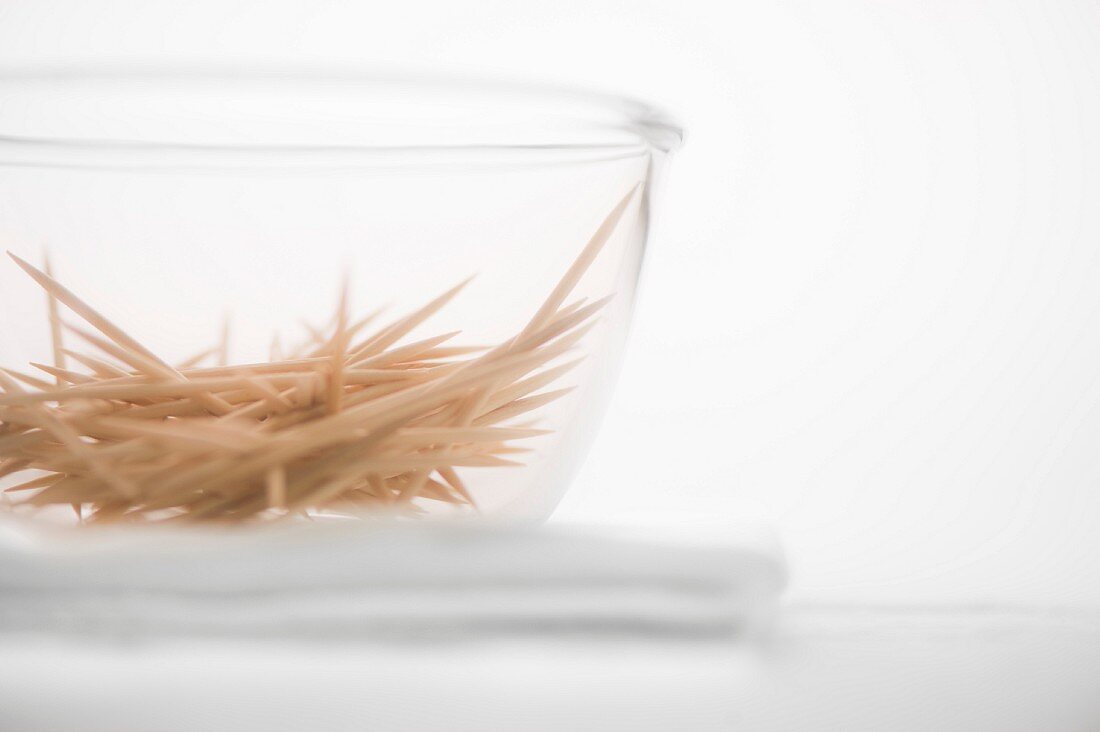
[387, 579]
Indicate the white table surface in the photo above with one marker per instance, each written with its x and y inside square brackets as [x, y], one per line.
[823, 667]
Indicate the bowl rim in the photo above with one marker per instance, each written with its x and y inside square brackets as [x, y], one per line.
[651, 128]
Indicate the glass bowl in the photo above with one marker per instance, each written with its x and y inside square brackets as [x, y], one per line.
[228, 215]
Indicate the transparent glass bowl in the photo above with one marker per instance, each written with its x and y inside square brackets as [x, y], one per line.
[175, 201]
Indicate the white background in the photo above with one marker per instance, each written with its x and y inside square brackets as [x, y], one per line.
[872, 313]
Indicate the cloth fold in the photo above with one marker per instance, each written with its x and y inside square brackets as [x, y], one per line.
[391, 580]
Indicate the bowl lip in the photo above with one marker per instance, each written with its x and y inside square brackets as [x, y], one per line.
[653, 127]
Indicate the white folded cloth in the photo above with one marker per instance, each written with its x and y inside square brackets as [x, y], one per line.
[386, 579]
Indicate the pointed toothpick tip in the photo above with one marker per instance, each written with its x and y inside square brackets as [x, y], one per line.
[21, 262]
